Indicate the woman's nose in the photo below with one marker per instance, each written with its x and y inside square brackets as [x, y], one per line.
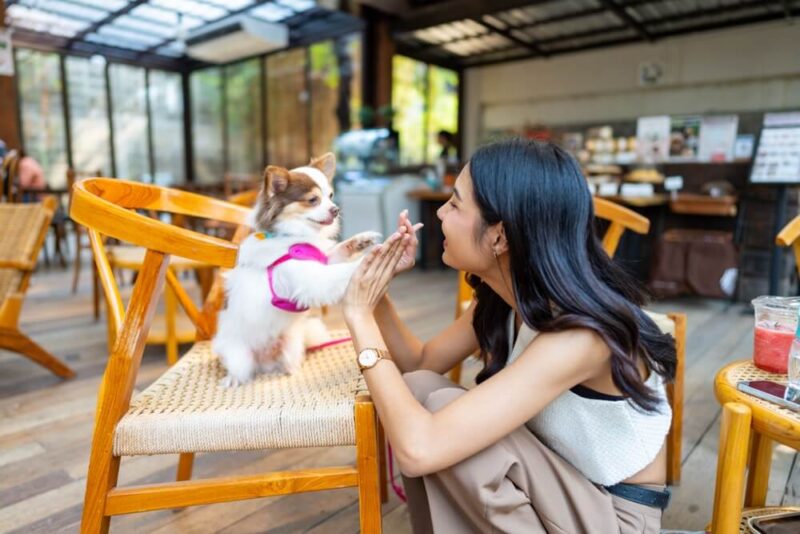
[440, 212]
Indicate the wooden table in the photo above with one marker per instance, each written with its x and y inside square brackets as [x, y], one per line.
[770, 422]
[172, 328]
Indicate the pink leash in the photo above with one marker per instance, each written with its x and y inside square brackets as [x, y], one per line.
[398, 489]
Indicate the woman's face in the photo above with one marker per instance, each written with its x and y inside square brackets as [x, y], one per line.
[461, 221]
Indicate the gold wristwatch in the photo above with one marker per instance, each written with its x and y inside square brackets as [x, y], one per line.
[368, 358]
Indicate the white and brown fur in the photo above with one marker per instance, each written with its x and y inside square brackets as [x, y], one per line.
[297, 207]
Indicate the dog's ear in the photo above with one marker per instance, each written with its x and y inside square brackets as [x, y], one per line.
[326, 163]
[276, 180]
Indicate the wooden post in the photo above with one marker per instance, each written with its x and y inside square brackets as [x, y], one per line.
[9, 120]
[378, 51]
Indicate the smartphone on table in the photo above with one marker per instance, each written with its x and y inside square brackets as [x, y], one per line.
[770, 391]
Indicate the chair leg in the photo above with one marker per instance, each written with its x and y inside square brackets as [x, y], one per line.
[18, 342]
[367, 463]
[734, 438]
[101, 477]
[758, 471]
[185, 464]
[455, 374]
[76, 269]
[382, 465]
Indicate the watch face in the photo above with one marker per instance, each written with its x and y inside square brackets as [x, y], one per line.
[368, 358]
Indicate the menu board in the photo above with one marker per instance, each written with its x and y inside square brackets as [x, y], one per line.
[777, 159]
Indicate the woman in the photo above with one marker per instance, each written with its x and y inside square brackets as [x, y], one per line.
[565, 430]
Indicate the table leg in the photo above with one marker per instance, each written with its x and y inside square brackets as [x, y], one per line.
[758, 471]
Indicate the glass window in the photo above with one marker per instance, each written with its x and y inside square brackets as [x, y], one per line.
[88, 115]
[442, 106]
[166, 109]
[207, 121]
[42, 110]
[129, 120]
[408, 99]
[287, 108]
[243, 102]
[335, 80]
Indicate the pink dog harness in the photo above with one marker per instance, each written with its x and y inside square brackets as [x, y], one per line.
[299, 251]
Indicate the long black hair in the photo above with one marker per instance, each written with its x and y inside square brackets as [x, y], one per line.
[560, 274]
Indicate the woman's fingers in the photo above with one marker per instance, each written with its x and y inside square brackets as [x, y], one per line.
[387, 248]
[391, 259]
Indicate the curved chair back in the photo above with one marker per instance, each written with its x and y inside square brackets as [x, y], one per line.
[107, 207]
[789, 236]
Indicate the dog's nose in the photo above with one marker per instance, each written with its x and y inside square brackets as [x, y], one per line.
[334, 211]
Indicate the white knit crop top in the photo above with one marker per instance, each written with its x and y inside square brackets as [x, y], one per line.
[605, 437]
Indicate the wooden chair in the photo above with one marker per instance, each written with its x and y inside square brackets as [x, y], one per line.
[789, 236]
[621, 219]
[729, 515]
[24, 231]
[10, 163]
[185, 411]
[82, 243]
[234, 183]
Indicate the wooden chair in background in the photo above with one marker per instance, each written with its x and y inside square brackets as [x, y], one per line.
[185, 410]
[9, 172]
[24, 231]
[620, 219]
[789, 236]
[82, 243]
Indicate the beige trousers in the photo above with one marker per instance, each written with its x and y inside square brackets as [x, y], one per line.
[515, 485]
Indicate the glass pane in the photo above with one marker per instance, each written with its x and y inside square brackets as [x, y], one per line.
[88, 113]
[443, 106]
[42, 109]
[206, 87]
[243, 98]
[335, 89]
[129, 114]
[408, 100]
[166, 108]
[287, 109]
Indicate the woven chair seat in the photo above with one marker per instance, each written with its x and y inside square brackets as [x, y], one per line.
[21, 224]
[186, 410]
[749, 513]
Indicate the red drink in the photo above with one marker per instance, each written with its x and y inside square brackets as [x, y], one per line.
[772, 345]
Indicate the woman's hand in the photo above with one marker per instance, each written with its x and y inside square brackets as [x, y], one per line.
[409, 257]
[371, 280]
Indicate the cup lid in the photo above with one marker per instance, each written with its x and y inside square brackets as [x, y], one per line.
[777, 303]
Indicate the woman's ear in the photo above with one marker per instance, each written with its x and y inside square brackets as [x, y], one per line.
[499, 242]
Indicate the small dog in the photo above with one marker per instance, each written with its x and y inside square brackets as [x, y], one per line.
[290, 264]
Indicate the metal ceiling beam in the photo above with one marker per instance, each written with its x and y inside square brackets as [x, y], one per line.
[706, 12]
[451, 10]
[105, 20]
[579, 48]
[718, 25]
[529, 45]
[626, 17]
[787, 8]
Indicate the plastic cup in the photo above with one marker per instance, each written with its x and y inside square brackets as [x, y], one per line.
[775, 326]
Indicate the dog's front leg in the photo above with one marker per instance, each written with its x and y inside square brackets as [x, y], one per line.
[312, 285]
[348, 248]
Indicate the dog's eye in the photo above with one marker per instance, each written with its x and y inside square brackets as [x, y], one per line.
[331, 195]
[313, 200]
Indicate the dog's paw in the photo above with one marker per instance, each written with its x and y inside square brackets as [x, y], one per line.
[362, 241]
[229, 381]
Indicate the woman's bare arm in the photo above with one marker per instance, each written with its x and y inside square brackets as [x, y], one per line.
[439, 354]
[426, 442]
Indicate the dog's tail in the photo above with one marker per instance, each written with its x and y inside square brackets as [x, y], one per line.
[315, 332]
